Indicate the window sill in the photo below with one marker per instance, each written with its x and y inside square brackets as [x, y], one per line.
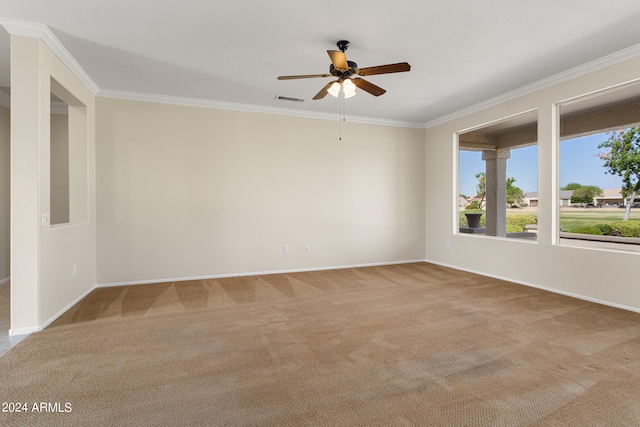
[600, 242]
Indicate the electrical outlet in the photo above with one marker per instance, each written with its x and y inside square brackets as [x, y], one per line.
[307, 248]
[75, 269]
[448, 245]
[45, 219]
[285, 249]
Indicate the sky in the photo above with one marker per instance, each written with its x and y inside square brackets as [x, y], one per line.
[578, 163]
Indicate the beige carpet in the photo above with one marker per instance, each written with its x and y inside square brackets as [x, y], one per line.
[404, 345]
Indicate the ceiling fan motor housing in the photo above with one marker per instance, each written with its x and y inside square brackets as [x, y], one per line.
[353, 67]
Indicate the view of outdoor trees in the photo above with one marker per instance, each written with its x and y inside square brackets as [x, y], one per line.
[583, 194]
[620, 155]
[515, 196]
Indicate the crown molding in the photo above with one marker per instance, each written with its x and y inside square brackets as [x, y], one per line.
[42, 32]
[203, 103]
[581, 70]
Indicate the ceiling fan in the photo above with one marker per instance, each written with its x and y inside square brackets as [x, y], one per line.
[346, 70]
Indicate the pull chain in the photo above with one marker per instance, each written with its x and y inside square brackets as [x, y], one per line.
[341, 115]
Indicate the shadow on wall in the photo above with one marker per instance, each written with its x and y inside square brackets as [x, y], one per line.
[100, 61]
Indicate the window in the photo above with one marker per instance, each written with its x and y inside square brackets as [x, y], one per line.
[595, 206]
[497, 192]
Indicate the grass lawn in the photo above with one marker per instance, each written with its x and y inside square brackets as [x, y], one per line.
[571, 218]
[592, 216]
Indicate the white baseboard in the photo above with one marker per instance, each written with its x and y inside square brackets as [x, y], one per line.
[5, 280]
[64, 310]
[254, 273]
[30, 330]
[26, 331]
[544, 288]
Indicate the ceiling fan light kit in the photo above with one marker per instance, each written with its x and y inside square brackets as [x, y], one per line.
[344, 70]
[334, 89]
[348, 88]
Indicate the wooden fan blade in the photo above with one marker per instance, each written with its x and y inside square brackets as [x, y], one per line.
[324, 92]
[368, 87]
[339, 60]
[384, 69]
[304, 76]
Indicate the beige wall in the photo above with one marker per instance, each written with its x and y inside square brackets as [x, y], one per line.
[579, 271]
[44, 282]
[190, 192]
[5, 192]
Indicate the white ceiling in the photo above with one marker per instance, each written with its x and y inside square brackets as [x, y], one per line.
[462, 52]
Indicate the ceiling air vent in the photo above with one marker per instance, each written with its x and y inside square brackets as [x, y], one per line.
[289, 98]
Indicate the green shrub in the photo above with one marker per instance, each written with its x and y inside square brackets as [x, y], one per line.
[587, 230]
[625, 228]
[473, 205]
[605, 228]
[520, 221]
[514, 229]
[463, 219]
